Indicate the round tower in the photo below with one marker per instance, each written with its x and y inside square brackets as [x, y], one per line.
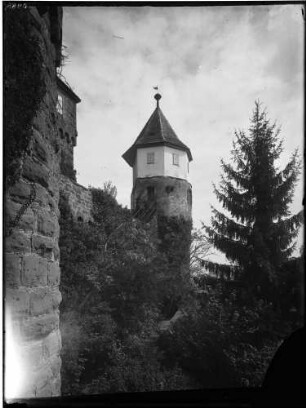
[160, 162]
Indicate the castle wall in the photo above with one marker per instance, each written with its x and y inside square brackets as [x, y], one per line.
[173, 196]
[79, 199]
[32, 272]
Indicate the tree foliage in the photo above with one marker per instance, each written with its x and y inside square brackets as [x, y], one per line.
[256, 299]
[200, 249]
[258, 235]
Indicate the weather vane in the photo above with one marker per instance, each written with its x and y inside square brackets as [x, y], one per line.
[157, 96]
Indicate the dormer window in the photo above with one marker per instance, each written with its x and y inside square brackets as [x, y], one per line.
[59, 104]
[150, 158]
[175, 159]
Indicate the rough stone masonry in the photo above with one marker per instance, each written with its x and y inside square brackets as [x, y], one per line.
[32, 271]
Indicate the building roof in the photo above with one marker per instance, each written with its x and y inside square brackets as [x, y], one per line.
[156, 132]
[66, 88]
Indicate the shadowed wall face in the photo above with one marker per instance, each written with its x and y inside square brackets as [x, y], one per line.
[66, 119]
[79, 199]
[32, 272]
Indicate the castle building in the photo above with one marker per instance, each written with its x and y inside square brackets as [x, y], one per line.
[160, 162]
[66, 120]
[77, 196]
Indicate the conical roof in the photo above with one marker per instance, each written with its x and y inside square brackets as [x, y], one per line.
[156, 132]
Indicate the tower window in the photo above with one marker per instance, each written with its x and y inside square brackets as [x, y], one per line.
[150, 193]
[175, 159]
[59, 104]
[150, 158]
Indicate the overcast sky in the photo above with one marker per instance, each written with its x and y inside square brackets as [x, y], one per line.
[210, 63]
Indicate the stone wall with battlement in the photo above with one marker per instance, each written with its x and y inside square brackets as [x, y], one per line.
[78, 197]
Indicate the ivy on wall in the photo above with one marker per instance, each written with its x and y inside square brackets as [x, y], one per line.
[24, 85]
[175, 236]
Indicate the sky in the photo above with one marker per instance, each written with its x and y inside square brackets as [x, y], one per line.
[210, 64]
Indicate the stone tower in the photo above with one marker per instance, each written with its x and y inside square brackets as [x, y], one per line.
[31, 252]
[160, 163]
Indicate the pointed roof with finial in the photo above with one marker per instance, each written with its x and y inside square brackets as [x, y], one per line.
[157, 132]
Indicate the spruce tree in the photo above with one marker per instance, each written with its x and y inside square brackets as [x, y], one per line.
[258, 235]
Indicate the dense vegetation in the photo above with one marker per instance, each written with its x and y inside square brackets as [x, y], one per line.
[116, 287]
[138, 314]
